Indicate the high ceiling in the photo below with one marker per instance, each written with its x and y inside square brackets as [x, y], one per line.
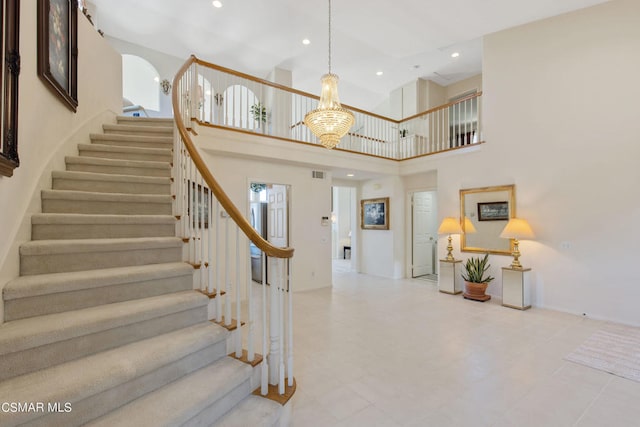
[405, 39]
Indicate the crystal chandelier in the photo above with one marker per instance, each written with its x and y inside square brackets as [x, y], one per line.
[329, 121]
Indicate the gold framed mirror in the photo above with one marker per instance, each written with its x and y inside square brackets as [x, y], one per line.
[484, 212]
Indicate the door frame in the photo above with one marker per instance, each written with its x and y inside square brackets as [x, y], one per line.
[409, 229]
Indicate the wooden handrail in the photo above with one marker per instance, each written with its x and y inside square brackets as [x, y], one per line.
[217, 190]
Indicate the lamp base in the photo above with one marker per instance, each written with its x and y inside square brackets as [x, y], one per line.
[515, 264]
[449, 256]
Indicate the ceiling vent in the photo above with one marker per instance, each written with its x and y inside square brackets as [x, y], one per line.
[317, 174]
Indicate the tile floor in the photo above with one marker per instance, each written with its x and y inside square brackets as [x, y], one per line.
[379, 352]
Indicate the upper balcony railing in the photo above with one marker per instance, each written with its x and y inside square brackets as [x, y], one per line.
[234, 100]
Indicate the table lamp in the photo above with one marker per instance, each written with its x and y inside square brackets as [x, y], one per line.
[517, 228]
[450, 226]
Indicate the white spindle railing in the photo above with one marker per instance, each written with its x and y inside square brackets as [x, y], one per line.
[218, 236]
[241, 102]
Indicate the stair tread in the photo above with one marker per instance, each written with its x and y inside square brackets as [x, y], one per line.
[51, 283]
[18, 335]
[115, 197]
[45, 247]
[94, 176]
[123, 149]
[254, 411]
[147, 164]
[138, 128]
[75, 218]
[178, 402]
[128, 137]
[105, 370]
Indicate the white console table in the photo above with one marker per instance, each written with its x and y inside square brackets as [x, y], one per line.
[516, 288]
[449, 279]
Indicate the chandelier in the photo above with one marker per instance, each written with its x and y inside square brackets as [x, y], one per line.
[329, 121]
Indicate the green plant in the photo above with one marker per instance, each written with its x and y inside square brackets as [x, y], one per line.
[476, 268]
[259, 112]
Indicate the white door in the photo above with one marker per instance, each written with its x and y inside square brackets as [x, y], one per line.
[424, 237]
[277, 229]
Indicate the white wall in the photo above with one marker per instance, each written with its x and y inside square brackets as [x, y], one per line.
[310, 200]
[569, 142]
[382, 251]
[48, 130]
[166, 65]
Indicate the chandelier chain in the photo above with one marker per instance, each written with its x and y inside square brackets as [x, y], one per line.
[329, 36]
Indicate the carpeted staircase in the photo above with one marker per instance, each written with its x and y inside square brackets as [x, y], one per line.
[103, 325]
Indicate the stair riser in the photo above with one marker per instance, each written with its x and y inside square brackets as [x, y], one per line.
[100, 231]
[120, 170]
[127, 156]
[132, 121]
[105, 207]
[22, 308]
[66, 262]
[215, 411]
[99, 404]
[33, 359]
[110, 186]
[142, 144]
[161, 131]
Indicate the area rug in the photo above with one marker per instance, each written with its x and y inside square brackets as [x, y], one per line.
[614, 349]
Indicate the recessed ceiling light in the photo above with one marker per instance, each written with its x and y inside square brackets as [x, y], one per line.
[217, 3]
[306, 41]
[455, 54]
[379, 73]
[350, 175]
[156, 79]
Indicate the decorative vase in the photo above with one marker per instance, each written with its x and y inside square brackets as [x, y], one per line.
[476, 291]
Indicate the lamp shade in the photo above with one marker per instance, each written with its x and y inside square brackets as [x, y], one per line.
[517, 228]
[468, 226]
[450, 225]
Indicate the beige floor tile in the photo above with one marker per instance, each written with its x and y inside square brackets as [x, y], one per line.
[379, 352]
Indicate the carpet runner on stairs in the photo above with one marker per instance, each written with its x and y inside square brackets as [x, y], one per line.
[103, 325]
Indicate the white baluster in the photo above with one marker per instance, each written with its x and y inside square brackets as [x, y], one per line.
[264, 385]
[250, 327]
[237, 294]
[218, 267]
[290, 324]
[227, 281]
[281, 282]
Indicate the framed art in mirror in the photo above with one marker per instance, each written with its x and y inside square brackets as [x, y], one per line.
[58, 48]
[484, 213]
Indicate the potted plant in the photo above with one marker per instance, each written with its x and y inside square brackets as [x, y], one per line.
[259, 113]
[475, 280]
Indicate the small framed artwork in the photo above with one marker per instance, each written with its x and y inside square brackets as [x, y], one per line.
[374, 214]
[493, 211]
[199, 200]
[58, 48]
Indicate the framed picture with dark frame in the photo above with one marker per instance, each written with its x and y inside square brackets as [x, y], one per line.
[374, 214]
[58, 48]
[9, 72]
[493, 211]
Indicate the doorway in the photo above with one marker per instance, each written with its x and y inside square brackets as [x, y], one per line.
[269, 215]
[343, 223]
[424, 235]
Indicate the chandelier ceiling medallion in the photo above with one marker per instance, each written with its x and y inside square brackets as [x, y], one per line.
[329, 122]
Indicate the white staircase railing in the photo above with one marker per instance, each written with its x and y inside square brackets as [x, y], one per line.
[218, 238]
[221, 97]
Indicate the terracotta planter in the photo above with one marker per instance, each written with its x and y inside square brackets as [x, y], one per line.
[476, 291]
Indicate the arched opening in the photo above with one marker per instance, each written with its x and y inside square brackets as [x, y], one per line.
[242, 108]
[140, 82]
